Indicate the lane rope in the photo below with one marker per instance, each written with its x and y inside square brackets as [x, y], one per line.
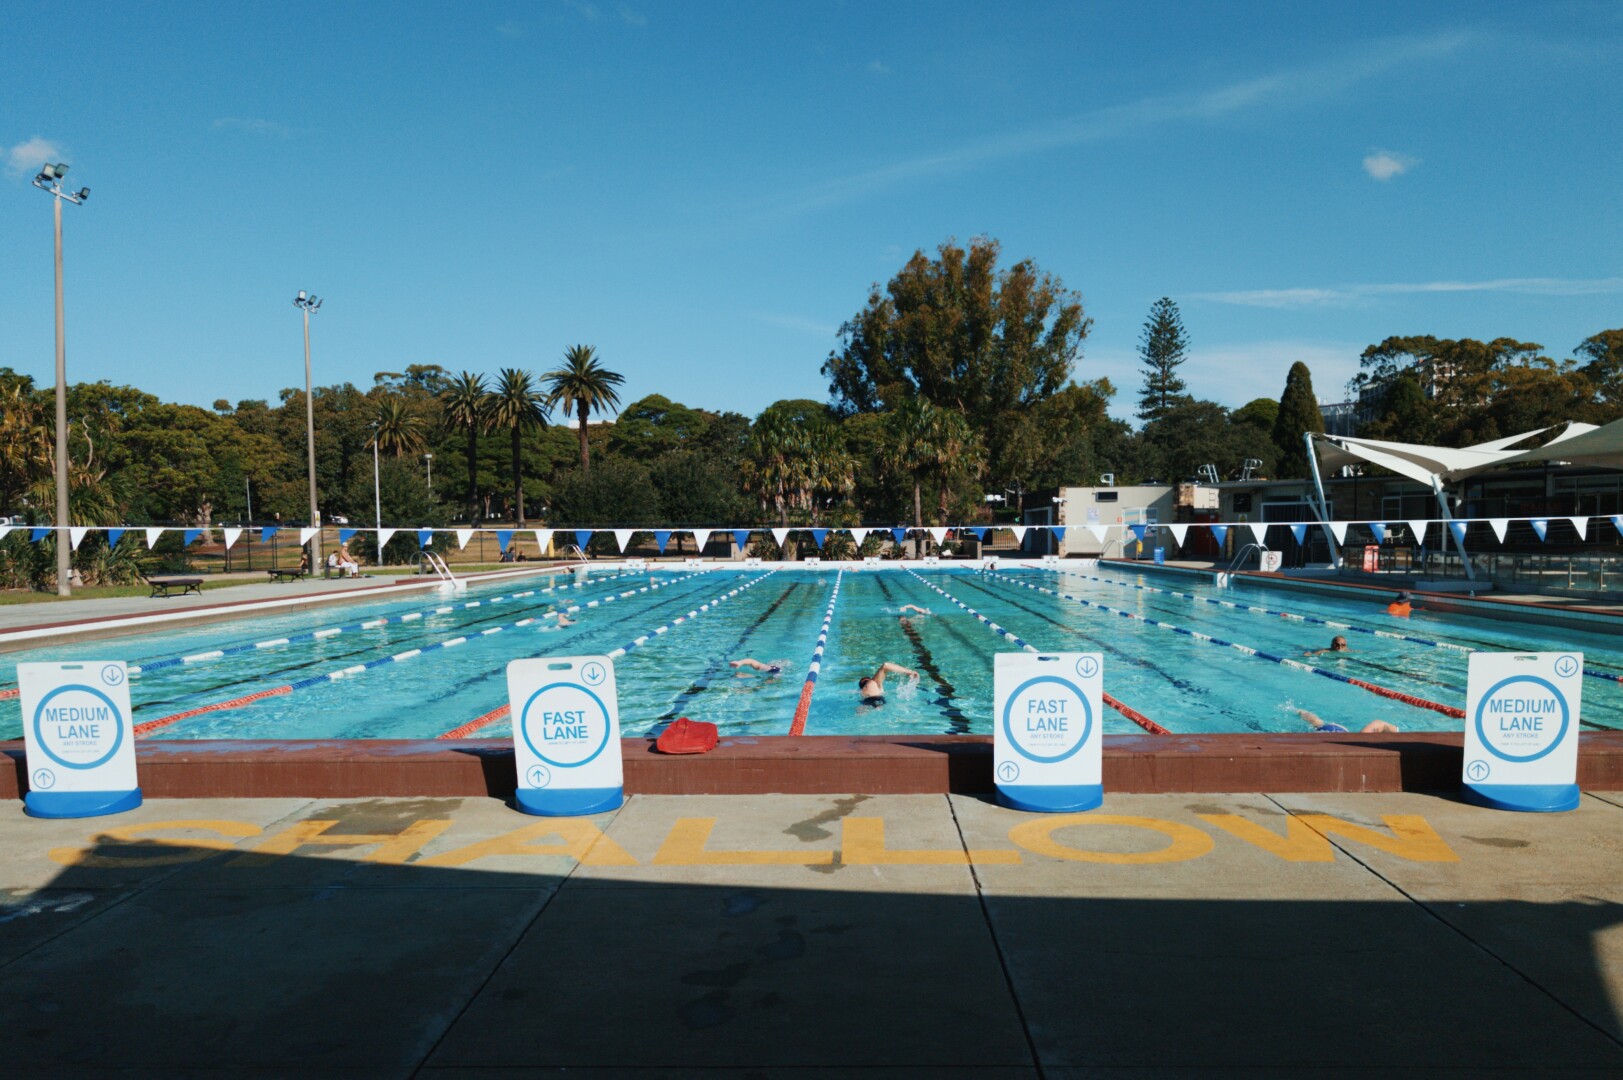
[503, 711]
[1235, 605]
[1374, 688]
[797, 726]
[142, 729]
[1131, 713]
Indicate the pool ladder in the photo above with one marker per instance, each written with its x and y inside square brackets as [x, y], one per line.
[449, 582]
[1223, 576]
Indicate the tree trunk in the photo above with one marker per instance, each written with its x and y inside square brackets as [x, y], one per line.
[918, 506]
[585, 451]
[473, 474]
[518, 477]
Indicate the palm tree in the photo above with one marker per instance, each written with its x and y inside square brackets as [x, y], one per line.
[771, 463]
[583, 385]
[516, 404]
[466, 403]
[925, 442]
[397, 429]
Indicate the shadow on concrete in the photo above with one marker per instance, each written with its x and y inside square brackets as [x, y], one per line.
[164, 959]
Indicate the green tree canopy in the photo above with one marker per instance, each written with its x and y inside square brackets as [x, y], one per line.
[1298, 414]
[1162, 347]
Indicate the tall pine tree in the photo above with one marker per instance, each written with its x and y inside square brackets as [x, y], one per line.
[1162, 346]
[1298, 413]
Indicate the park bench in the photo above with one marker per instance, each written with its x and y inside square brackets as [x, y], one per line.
[292, 573]
[164, 586]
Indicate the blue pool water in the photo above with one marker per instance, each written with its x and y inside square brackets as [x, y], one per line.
[1185, 684]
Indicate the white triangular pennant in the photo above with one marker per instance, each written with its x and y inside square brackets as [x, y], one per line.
[4, 529]
[1019, 533]
[1499, 527]
[462, 538]
[623, 537]
[384, 536]
[780, 535]
[1099, 532]
[1338, 529]
[231, 536]
[153, 534]
[1582, 525]
[938, 535]
[1178, 533]
[1418, 527]
[859, 535]
[543, 539]
[702, 537]
[76, 533]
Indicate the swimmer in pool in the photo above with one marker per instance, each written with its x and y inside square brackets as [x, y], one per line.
[564, 620]
[872, 687]
[1374, 727]
[748, 664]
[915, 609]
[1337, 644]
[1401, 606]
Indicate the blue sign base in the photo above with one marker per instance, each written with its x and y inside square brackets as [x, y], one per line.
[1051, 798]
[1531, 798]
[72, 804]
[569, 802]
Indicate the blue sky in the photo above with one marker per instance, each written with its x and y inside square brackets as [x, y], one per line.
[705, 191]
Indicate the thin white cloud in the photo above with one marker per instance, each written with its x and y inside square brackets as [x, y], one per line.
[629, 17]
[1345, 295]
[252, 125]
[1383, 165]
[878, 67]
[1290, 88]
[797, 322]
[26, 157]
[582, 8]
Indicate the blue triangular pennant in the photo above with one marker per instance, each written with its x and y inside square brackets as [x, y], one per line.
[113, 535]
[1458, 529]
[344, 535]
[1059, 531]
[264, 534]
[504, 537]
[190, 535]
[818, 536]
[582, 538]
[1617, 523]
[741, 537]
[980, 534]
[1300, 532]
[1540, 526]
[1138, 530]
[1379, 529]
[661, 538]
[35, 535]
[425, 537]
[899, 535]
[1221, 532]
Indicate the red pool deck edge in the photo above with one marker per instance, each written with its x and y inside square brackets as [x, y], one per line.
[818, 764]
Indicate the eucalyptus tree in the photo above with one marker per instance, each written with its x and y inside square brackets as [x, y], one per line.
[465, 404]
[517, 404]
[583, 386]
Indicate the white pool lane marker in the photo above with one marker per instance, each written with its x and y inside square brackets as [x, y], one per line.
[797, 726]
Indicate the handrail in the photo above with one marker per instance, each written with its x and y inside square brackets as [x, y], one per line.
[1260, 548]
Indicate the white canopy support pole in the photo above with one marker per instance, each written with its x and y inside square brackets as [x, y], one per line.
[1323, 505]
[1442, 506]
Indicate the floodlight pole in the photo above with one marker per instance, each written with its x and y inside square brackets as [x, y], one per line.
[307, 304]
[49, 181]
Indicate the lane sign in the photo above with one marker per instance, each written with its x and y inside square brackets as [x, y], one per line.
[78, 739]
[1521, 730]
[1047, 731]
[566, 735]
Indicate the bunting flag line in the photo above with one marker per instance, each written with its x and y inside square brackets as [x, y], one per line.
[35, 535]
[1458, 529]
[1221, 532]
[425, 537]
[1099, 532]
[1178, 533]
[1338, 529]
[265, 534]
[1378, 530]
[384, 536]
[1540, 526]
[622, 537]
[190, 535]
[4, 529]
[780, 535]
[1300, 532]
[741, 537]
[1418, 527]
[231, 536]
[1140, 531]
[1617, 523]
[661, 538]
[543, 539]
[899, 535]
[582, 538]
[1020, 533]
[1582, 525]
[1500, 527]
[859, 535]
[980, 534]
[76, 535]
[344, 535]
[818, 536]
[938, 535]
[1058, 531]
[701, 537]
[304, 535]
[504, 537]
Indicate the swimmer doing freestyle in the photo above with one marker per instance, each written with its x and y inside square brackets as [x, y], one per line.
[872, 687]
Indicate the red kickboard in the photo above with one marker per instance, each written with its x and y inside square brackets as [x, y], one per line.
[687, 737]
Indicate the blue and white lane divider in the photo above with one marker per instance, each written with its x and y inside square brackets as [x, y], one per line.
[1283, 661]
[1393, 634]
[504, 711]
[451, 643]
[797, 726]
[1126, 710]
[369, 624]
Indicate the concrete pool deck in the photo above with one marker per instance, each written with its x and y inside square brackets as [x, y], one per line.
[816, 936]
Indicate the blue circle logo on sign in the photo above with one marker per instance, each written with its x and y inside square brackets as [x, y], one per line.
[565, 725]
[1047, 719]
[78, 727]
[1522, 718]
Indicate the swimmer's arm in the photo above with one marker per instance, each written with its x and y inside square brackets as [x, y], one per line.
[1310, 718]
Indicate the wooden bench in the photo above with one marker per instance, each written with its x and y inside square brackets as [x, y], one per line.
[162, 586]
[290, 574]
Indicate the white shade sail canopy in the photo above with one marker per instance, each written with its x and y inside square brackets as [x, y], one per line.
[1580, 444]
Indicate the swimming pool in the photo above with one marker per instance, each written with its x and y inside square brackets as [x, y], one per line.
[1189, 656]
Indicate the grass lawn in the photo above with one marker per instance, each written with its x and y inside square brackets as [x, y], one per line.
[92, 592]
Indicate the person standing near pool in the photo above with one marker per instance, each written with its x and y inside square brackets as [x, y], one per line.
[1374, 727]
[872, 687]
[1401, 606]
